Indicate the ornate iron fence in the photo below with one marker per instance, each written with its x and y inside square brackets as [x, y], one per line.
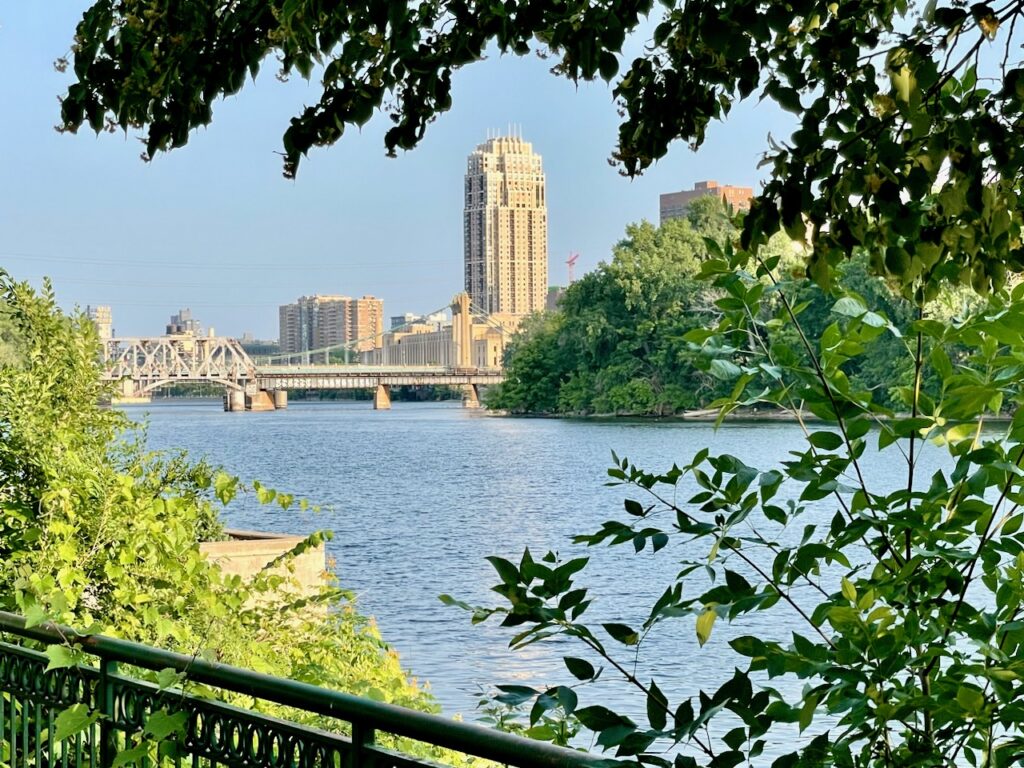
[116, 710]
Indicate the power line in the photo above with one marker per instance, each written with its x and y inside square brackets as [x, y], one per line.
[289, 265]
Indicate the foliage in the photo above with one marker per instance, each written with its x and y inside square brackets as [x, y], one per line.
[615, 345]
[907, 156]
[893, 100]
[100, 534]
[908, 587]
[627, 337]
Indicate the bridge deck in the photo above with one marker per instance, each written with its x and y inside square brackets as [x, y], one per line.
[361, 377]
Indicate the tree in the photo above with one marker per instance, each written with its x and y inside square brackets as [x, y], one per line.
[100, 534]
[909, 591]
[615, 346]
[893, 100]
[908, 156]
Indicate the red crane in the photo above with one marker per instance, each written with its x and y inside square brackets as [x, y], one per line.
[571, 262]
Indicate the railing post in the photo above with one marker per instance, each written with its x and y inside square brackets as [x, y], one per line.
[362, 736]
[105, 696]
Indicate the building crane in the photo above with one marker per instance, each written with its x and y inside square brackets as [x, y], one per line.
[571, 263]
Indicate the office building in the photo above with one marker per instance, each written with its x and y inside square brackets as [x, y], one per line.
[506, 228]
[675, 204]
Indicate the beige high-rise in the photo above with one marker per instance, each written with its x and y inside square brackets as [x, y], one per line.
[506, 228]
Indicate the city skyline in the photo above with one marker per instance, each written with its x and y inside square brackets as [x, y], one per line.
[213, 226]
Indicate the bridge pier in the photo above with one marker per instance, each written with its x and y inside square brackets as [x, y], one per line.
[130, 393]
[470, 396]
[382, 398]
[260, 400]
[234, 400]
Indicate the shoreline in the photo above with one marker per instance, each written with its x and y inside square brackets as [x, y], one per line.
[706, 415]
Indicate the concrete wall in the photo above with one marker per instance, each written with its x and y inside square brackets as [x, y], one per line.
[245, 553]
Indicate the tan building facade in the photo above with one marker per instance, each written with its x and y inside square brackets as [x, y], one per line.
[675, 204]
[429, 345]
[102, 318]
[506, 228]
[315, 322]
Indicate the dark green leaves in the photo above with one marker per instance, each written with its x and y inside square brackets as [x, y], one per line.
[581, 669]
[623, 633]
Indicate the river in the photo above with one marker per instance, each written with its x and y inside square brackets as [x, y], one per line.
[418, 496]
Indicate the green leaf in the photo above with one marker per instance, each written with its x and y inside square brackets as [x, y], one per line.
[73, 720]
[849, 590]
[225, 487]
[634, 507]
[623, 633]
[169, 678]
[609, 66]
[827, 441]
[581, 669]
[724, 369]
[160, 724]
[137, 755]
[514, 695]
[970, 698]
[507, 572]
[35, 615]
[598, 718]
[849, 306]
[657, 707]
[60, 656]
[941, 363]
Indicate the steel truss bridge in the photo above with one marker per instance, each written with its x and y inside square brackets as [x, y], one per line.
[141, 365]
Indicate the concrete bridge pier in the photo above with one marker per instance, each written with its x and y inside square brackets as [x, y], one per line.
[130, 393]
[382, 398]
[234, 400]
[260, 400]
[470, 396]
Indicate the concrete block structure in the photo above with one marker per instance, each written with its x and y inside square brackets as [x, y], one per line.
[103, 320]
[246, 553]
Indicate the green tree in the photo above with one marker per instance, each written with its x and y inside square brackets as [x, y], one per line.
[908, 588]
[907, 155]
[534, 368]
[893, 100]
[99, 533]
[615, 345]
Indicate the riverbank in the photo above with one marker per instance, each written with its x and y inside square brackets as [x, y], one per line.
[700, 415]
[706, 415]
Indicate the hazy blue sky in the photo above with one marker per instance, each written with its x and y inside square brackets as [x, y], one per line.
[216, 228]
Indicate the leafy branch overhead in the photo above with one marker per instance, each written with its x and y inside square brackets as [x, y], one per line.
[892, 100]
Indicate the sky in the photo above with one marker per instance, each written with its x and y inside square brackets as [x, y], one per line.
[215, 227]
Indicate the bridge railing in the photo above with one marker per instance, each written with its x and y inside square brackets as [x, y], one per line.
[115, 711]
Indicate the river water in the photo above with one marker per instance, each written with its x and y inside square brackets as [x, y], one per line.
[418, 496]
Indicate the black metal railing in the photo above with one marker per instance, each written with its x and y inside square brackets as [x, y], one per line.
[110, 713]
